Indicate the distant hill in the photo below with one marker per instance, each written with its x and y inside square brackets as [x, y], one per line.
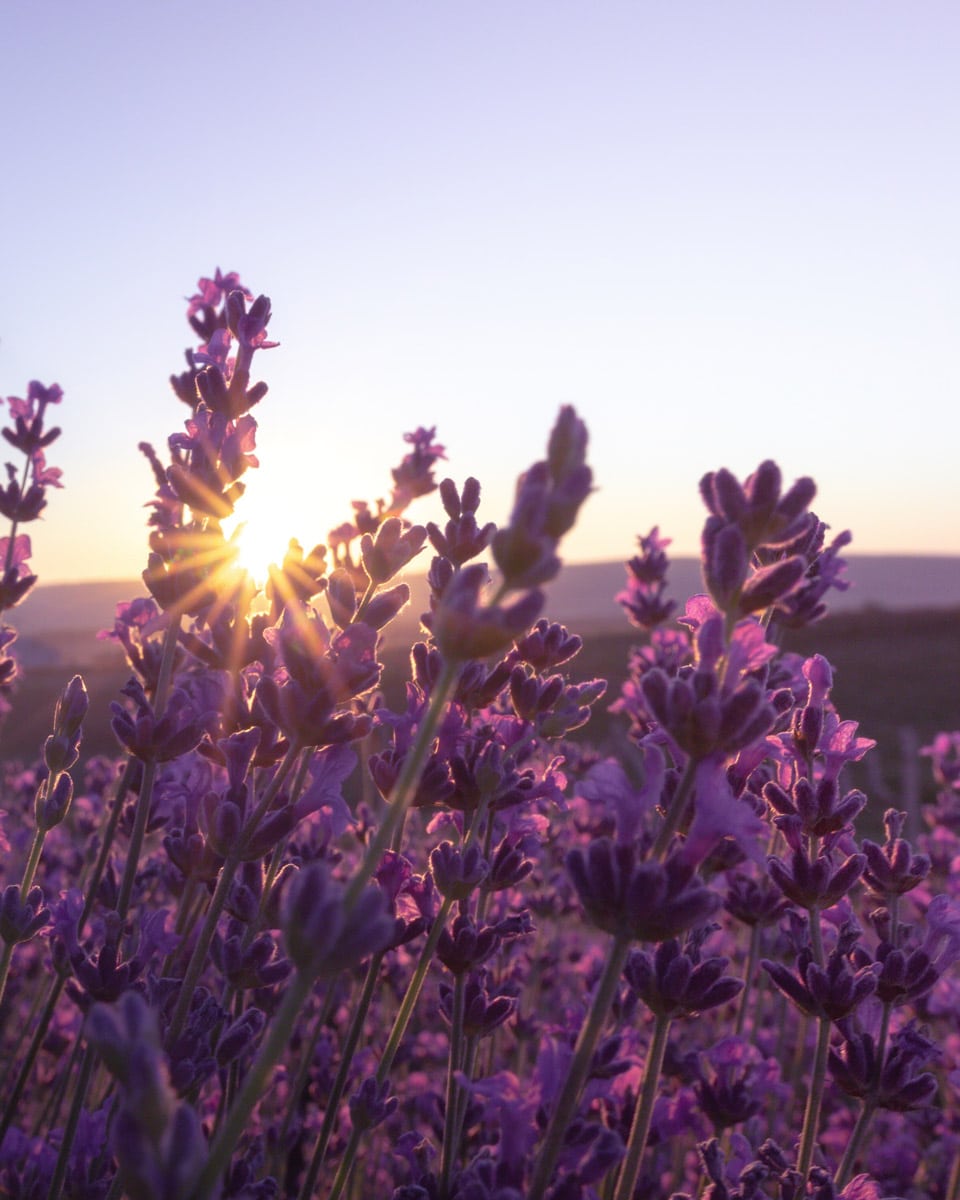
[894, 645]
[58, 623]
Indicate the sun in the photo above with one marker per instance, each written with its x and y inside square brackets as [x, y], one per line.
[261, 539]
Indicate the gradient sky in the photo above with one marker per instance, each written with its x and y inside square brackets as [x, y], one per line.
[724, 232]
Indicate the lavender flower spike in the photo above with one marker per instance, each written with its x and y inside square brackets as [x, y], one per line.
[547, 501]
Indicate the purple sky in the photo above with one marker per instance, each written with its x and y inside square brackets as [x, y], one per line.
[724, 232]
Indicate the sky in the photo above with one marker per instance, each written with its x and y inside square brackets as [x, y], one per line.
[723, 232]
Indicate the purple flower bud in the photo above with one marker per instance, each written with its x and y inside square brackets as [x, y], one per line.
[834, 991]
[646, 901]
[466, 946]
[905, 975]
[820, 808]
[21, 919]
[224, 821]
[148, 737]
[764, 517]
[509, 867]
[71, 708]
[893, 869]
[53, 804]
[322, 937]
[531, 695]
[458, 873]
[674, 983]
[770, 586]
[754, 902]
[483, 1012]
[901, 1085]
[240, 1037]
[724, 561]
[342, 597]
[391, 549]
[385, 606]
[816, 884]
[464, 629]
[548, 645]
[462, 538]
[371, 1104]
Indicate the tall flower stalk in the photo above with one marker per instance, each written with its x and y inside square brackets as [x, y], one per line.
[495, 963]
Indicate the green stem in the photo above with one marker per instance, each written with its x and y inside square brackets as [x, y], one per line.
[5, 961]
[847, 1163]
[346, 1166]
[406, 785]
[79, 1096]
[816, 936]
[33, 859]
[340, 1082]
[140, 819]
[678, 808]
[748, 977]
[818, 1080]
[454, 1063]
[470, 1055]
[145, 797]
[254, 1084]
[412, 994]
[198, 958]
[402, 1019]
[640, 1129]
[56, 985]
[953, 1185]
[569, 1097]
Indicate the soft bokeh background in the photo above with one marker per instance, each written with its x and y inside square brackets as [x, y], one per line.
[723, 231]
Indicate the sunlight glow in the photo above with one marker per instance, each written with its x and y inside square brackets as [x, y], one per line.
[261, 541]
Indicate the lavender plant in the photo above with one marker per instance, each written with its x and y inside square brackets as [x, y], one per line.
[296, 942]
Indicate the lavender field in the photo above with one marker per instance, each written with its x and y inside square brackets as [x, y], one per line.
[424, 872]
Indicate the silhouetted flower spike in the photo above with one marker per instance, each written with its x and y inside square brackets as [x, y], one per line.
[548, 498]
[414, 476]
[643, 596]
